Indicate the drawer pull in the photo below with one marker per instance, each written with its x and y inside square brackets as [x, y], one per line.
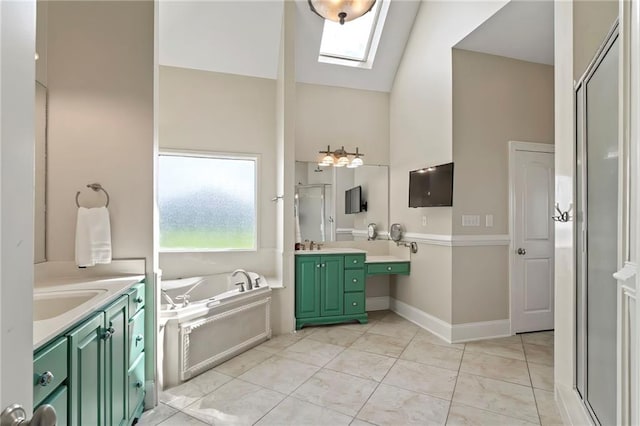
[138, 384]
[355, 280]
[138, 299]
[109, 333]
[388, 268]
[355, 304]
[139, 338]
[45, 378]
[355, 260]
[318, 265]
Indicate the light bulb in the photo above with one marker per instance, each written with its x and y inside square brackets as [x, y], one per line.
[356, 162]
[342, 161]
[327, 160]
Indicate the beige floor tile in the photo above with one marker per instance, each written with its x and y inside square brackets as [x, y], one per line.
[500, 397]
[280, 374]
[379, 344]
[235, 403]
[508, 340]
[377, 315]
[362, 364]
[337, 391]
[394, 406]
[496, 367]
[436, 355]
[278, 343]
[335, 336]
[243, 362]
[463, 415]
[428, 337]
[294, 412]
[157, 415]
[194, 389]
[541, 338]
[181, 419]
[395, 329]
[356, 326]
[541, 376]
[548, 408]
[393, 317]
[358, 422]
[506, 349]
[539, 354]
[311, 352]
[434, 381]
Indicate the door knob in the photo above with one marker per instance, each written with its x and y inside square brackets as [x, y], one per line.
[15, 415]
[522, 251]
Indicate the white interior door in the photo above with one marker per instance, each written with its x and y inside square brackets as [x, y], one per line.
[532, 195]
[17, 100]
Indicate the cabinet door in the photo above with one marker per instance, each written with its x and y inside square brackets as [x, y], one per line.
[307, 286]
[86, 346]
[332, 286]
[116, 361]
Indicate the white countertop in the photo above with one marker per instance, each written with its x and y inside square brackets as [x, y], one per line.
[107, 290]
[384, 259]
[336, 250]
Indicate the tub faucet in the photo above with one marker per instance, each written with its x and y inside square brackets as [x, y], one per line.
[168, 299]
[243, 272]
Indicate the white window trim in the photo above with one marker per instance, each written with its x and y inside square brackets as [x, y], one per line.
[374, 42]
[221, 155]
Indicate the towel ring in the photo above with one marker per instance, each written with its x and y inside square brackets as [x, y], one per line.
[96, 187]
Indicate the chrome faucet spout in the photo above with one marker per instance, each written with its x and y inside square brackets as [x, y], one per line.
[246, 275]
[168, 299]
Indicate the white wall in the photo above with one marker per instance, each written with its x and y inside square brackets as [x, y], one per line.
[207, 111]
[421, 134]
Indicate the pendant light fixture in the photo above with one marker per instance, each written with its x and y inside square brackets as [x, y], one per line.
[341, 10]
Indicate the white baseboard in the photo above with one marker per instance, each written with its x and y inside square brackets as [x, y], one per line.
[572, 410]
[430, 323]
[457, 333]
[379, 303]
[470, 331]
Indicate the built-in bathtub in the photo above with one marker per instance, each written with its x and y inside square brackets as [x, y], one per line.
[217, 323]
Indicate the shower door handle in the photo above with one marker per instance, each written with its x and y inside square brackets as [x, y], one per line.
[521, 251]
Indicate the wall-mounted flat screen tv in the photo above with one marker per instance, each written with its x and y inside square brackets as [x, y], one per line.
[353, 201]
[431, 186]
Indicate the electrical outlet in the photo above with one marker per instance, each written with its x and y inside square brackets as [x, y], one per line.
[424, 221]
[470, 220]
[488, 221]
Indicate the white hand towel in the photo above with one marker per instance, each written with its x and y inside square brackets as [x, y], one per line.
[93, 236]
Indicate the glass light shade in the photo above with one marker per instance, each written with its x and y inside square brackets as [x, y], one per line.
[356, 162]
[341, 10]
[327, 160]
[342, 161]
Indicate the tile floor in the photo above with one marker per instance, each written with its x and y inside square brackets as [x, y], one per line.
[387, 372]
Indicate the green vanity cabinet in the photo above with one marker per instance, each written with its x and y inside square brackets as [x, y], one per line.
[116, 361]
[322, 289]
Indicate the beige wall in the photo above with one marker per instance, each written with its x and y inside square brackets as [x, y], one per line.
[327, 115]
[495, 100]
[421, 134]
[592, 21]
[100, 78]
[207, 111]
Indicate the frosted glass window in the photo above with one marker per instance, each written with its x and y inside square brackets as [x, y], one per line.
[207, 203]
[351, 40]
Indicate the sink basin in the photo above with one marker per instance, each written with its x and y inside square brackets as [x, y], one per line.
[52, 304]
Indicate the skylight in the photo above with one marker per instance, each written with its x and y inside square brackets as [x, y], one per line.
[355, 42]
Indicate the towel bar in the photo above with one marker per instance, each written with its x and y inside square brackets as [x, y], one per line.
[96, 187]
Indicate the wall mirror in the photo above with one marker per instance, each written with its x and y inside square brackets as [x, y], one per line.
[320, 209]
[40, 216]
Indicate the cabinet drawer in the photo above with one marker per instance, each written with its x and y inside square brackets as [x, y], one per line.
[354, 303]
[136, 336]
[136, 298]
[388, 268]
[59, 400]
[49, 369]
[354, 261]
[354, 280]
[136, 385]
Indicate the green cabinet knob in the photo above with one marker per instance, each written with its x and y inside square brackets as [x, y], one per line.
[45, 378]
[355, 260]
[388, 268]
[355, 280]
[138, 385]
[355, 303]
[138, 299]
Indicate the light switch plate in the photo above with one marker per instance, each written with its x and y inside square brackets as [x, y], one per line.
[488, 221]
[470, 220]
